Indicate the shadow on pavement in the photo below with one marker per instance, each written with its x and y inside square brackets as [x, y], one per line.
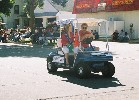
[20, 50]
[95, 81]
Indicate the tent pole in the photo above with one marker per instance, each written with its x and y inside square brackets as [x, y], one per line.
[107, 30]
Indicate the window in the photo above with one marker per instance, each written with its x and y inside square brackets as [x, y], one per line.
[16, 9]
[16, 23]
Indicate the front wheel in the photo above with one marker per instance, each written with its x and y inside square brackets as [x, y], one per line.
[109, 70]
[83, 70]
[51, 67]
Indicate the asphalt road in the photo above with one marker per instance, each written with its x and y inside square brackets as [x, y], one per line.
[23, 75]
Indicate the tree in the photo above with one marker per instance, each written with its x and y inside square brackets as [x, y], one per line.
[5, 6]
[29, 7]
[60, 2]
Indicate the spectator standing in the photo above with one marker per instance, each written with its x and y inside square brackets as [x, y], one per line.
[92, 31]
[51, 34]
[95, 33]
[35, 37]
[17, 36]
[0, 35]
[4, 36]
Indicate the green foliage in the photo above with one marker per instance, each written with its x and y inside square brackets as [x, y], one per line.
[5, 6]
[30, 5]
[60, 2]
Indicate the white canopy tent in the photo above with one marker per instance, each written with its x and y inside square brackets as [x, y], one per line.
[89, 21]
[92, 22]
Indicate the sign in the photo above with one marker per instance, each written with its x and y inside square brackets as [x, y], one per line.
[83, 6]
[124, 2]
[123, 5]
[88, 6]
[58, 59]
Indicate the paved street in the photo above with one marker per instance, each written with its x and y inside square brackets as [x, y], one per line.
[24, 76]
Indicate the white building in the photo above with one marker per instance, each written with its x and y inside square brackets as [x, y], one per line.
[65, 15]
[19, 19]
[129, 17]
[45, 15]
[13, 20]
[64, 12]
[128, 13]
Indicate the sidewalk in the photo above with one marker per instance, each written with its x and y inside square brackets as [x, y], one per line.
[134, 41]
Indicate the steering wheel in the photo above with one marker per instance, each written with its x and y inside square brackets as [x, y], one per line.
[88, 40]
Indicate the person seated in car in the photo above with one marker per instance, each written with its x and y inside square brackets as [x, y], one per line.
[76, 43]
[84, 34]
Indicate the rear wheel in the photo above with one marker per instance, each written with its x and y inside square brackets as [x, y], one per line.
[83, 70]
[108, 70]
[51, 67]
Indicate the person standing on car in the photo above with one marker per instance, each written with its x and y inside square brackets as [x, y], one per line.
[67, 38]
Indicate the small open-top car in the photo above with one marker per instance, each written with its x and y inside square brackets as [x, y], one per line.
[86, 61]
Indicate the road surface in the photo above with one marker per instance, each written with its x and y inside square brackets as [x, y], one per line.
[24, 76]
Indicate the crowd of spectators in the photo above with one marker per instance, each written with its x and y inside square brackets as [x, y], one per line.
[48, 35]
[13, 35]
[120, 37]
[45, 35]
[95, 33]
[40, 36]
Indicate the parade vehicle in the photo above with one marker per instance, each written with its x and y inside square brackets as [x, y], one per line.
[86, 62]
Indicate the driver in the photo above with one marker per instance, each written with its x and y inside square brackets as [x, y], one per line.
[84, 34]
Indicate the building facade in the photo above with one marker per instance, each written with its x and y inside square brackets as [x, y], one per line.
[129, 17]
[111, 10]
[18, 19]
[14, 20]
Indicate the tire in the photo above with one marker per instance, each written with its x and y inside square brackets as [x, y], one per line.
[51, 67]
[83, 70]
[109, 70]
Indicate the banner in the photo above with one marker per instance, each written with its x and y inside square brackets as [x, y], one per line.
[83, 6]
[88, 6]
[123, 5]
